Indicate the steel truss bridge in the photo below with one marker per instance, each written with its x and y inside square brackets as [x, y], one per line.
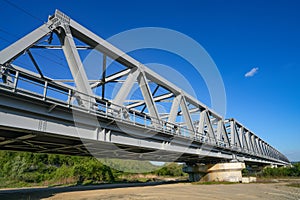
[42, 114]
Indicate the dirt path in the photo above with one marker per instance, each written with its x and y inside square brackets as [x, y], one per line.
[272, 191]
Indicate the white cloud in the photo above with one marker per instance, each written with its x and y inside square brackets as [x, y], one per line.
[252, 72]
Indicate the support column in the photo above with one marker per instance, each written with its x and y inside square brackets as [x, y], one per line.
[221, 172]
[194, 171]
[271, 166]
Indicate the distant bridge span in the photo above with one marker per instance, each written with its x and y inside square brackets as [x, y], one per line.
[41, 114]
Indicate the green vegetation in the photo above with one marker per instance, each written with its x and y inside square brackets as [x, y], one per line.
[294, 185]
[172, 170]
[25, 169]
[287, 174]
[129, 165]
[293, 171]
[20, 169]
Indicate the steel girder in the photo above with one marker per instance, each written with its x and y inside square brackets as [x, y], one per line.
[187, 115]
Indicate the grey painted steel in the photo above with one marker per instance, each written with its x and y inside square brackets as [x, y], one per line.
[76, 67]
[210, 137]
[32, 118]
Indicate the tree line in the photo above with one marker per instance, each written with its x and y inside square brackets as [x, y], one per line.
[293, 171]
[19, 169]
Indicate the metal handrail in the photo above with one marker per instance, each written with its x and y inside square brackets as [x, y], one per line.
[103, 108]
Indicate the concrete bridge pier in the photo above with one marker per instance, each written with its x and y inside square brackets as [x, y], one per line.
[220, 172]
[271, 166]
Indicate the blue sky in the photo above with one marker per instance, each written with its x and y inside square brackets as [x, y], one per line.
[238, 35]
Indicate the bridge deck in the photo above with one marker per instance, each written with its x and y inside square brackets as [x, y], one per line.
[30, 122]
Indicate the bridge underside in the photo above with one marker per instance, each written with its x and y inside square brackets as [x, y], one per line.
[18, 138]
[24, 140]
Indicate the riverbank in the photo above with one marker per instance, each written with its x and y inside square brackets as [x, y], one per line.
[273, 190]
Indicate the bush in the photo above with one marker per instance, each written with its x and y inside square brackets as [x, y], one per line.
[172, 169]
[93, 171]
[31, 177]
[50, 168]
[293, 171]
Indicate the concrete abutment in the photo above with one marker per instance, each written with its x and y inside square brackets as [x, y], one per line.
[220, 172]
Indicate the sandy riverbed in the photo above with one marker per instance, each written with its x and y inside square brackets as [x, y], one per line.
[272, 191]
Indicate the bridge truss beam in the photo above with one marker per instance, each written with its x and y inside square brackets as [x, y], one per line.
[186, 116]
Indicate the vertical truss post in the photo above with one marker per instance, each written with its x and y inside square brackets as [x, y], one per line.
[186, 115]
[206, 122]
[211, 132]
[236, 137]
[268, 150]
[251, 142]
[143, 83]
[222, 134]
[126, 87]
[232, 133]
[103, 75]
[219, 133]
[241, 133]
[247, 140]
[265, 148]
[253, 137]
[16, 81]
[244, 141]
[180, 100]
[257, 145]
[76, 67]
[262, 146]
[201, 122]
[174, 109]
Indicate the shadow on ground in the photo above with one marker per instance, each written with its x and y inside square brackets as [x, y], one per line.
[40, 193]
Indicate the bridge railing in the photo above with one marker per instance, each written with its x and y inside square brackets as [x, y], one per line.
[31, 85]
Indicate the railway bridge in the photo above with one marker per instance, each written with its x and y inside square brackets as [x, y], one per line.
[83, 117]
